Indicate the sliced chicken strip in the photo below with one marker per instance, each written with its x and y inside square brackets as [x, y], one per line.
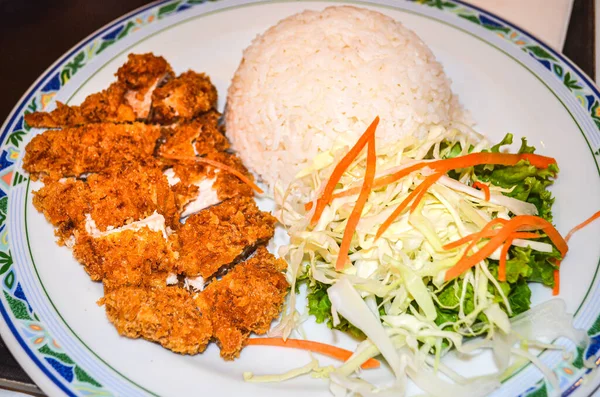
[109, 105]
[74, 151]
[195, 138]
[217, 238]
[142, 74]
[159, 313]
[183, 98]
[245, 300]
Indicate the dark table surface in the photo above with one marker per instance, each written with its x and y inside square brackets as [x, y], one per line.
[33, 34]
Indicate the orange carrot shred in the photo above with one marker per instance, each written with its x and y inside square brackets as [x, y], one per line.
[489, 228]
[582, 225]
[426, 184]
[415, 197]
[316, 347]
[340, 168]
[556, 289]
[503, 254]
[358, 207]
[470, 237]
[485, 188]
[218, 165]
[528, 221]
[473, 159]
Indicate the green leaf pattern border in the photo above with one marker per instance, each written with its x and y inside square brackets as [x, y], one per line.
[32, 328]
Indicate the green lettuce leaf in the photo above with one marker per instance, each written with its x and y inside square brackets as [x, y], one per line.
[528, 182]
[319, 306]
[519, 297]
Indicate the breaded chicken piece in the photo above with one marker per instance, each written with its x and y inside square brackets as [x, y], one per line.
[74, 151]
[221, 236]
[183, 98]
[163, 314]
[129, 193]
[125, 100]
[199, 186]
[105, 106]
[125, 258]
[118, 197]
[245, 300]
[142, 74]
[196, 138]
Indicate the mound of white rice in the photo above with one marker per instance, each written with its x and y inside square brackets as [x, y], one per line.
[317, 79]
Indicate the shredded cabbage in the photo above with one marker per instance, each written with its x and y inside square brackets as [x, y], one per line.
[395, 292]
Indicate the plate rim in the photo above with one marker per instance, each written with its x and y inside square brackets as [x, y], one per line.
[40, 370]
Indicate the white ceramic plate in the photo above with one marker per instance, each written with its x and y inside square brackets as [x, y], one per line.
[508, 80]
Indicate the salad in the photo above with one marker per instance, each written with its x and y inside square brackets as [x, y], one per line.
[419, 247]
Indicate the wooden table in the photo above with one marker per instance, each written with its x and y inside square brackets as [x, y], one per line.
[33, 34]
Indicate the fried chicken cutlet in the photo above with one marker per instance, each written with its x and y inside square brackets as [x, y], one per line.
[221, 236]
[245, 300]
[183, 98]
[117, 199]
[74, 151]
[125, 100]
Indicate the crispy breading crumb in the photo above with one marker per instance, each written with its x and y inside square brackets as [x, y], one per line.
[245, 300]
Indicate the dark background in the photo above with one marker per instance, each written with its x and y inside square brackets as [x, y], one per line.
[34, 34]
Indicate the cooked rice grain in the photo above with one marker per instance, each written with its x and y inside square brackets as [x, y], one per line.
[316, 80]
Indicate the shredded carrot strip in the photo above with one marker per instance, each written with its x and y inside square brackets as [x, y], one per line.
[218, 165]
[426, 184]
[400, 209]
[489, 228]
[358, 207]
[340, 168]
[473, 159]
[556, 289]
[503, 255]
[527, 221]
[415, 196]
[468, 238]
[582, 225]
[485, 188]
[316, 347]
[506, 247]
